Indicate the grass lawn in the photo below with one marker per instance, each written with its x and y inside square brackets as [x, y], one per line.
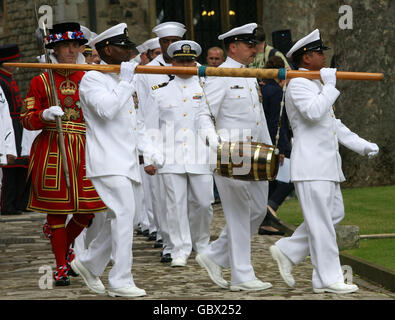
[372, 209]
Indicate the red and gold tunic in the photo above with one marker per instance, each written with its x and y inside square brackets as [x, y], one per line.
[49, 192]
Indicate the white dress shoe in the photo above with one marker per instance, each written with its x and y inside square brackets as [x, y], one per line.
[213, 270]
[179, 262]
[94, 283]
[253, 285]
[131, 291]
[339, 287]
[284, 265]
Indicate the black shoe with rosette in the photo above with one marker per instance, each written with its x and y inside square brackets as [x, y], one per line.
[60, 276]
[70, 257]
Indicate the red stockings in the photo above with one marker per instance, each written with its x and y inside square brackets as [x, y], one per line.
[61, 236]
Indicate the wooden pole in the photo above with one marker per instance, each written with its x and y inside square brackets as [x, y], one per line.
[209, 71]
[55, 102]
[343, 75]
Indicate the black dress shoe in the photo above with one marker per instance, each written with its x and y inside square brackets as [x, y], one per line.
[271, 216]
[139, 231]
[270, 233]
[146, 233]
[158, 243]
[60, 276]
[70, 272]
[166, 258]
[152, 236]
[62, 282]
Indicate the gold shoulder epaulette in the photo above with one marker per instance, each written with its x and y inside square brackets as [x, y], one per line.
[164, 84]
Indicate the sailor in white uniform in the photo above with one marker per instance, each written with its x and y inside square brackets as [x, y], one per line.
[168, 32]
[7, 138]
[153, 48]
[148, 222]
[316, 169]
[236, 107]
[186, 172]
[114, 138]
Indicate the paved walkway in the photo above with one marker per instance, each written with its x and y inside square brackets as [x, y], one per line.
[24, 250]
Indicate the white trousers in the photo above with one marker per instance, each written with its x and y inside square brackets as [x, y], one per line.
[322, 206]
[141, 216]
[153, 224]
[157, 190]
[144, 212]
[188, 211]
[87, 235]
[116, 236]
[244, 205]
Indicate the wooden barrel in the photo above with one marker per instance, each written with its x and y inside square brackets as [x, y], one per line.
[249, 161]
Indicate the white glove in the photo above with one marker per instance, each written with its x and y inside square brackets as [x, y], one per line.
[372, 150]
[213, 142]
[158, 160]
[210, 137]
[52, 112]
[328, 76]
[127, 70]
[136, 59]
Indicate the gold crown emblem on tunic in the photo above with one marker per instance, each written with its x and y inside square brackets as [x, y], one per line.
[68, 88]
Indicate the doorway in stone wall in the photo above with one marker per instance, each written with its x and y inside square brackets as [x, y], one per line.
[206, 19]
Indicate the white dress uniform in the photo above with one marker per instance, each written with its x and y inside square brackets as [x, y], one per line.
[114, 138]
[316, 173]
[186, 172]
[27, 141]
[7, 139]
[144, 216]
[239, 115]
[153, 184]
[144, 84]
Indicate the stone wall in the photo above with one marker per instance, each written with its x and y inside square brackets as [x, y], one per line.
[20, 24]
[301, 17]
[367, 108]
[133, 12]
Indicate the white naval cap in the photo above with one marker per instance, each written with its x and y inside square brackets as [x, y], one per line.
[88, 34]
[152, 44]
[311, 42]
[184, 49]
[141, 48]
[93, 36]
[244, 33]
[116, 35]
[169, 29]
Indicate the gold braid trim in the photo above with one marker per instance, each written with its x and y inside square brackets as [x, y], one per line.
[79, 224]
[47, 89]
[58, 226]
